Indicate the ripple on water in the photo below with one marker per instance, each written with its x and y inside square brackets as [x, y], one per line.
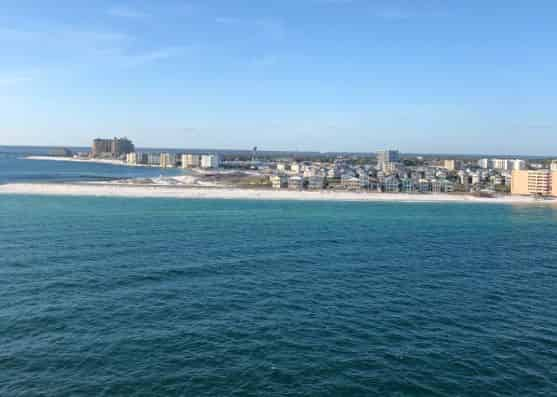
[168, 297]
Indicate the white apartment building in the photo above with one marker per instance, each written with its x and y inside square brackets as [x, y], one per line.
[485, 163]
[296, 167]
[191, 160]
[503, 164]
[167, 160]
[210, 161]
[131, 158]
[519, 165]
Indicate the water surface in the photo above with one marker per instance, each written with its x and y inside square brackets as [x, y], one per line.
[111, 296]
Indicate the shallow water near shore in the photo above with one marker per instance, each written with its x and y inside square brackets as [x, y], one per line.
[112, 296]
[15, 168]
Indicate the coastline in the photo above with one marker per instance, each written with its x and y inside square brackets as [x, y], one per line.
[95, 161]
[149, 191]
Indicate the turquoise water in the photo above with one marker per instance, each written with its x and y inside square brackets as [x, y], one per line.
[15, 168]
[142, 297]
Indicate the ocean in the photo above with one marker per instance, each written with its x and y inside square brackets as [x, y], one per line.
[168, 297]
[15, 168]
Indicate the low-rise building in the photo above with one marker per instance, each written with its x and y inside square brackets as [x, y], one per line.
[392, 184]
[350, 182]
[295, 183]
[316, 182]
[279, 181]
[364, 180]
[60, 152]
[296, 167]
[424, 186]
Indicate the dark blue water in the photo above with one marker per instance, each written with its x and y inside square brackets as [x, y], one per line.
[139, 297]
[15, 168]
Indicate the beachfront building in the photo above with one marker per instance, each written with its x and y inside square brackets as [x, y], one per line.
[167, 160]
[408, 185]
[424, 186]
[442, 186]
[364, 179]
[534, 182]
[114, 148]
[281, 167]
[136, 158]
[295, 183]
[279, 181]
[210, 161]
[392, 184]
[350, 182]
[316, 182]
[553, 166]
[131, 158]
[191, 160]
[154, 159]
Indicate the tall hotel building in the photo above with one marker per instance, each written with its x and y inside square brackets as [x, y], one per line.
[534, 182]
[112, 147]
[388, 156]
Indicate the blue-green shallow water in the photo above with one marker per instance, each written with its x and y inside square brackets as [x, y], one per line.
[141, 297]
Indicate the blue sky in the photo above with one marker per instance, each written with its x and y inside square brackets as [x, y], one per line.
[352, 75]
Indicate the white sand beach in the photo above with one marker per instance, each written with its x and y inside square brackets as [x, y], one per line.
[111, 190]
[84, 160]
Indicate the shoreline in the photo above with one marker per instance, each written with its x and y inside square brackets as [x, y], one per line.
[178, 192]
[81, 160]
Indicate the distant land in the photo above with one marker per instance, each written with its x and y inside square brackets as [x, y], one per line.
[274, 153]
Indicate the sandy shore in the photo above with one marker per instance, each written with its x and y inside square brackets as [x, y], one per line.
[81, 160]
[107, 190]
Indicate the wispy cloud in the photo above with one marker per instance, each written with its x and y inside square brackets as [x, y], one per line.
[124, 11]
[62, 36]
[151, 56]
[71, 48]
[123, 58]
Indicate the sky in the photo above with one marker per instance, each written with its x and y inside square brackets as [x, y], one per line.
[432, 76]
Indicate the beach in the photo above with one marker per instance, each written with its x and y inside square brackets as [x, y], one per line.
[153, 191]
[85, 160]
